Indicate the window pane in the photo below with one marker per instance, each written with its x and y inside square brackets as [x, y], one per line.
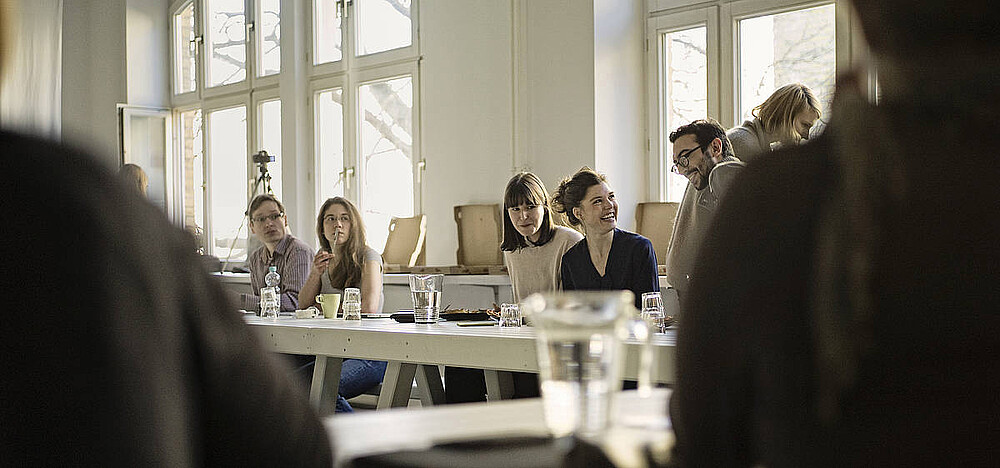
[227, 48]
[382, 25]
[685, 92]
[269, 42]
[194, 175]
[184, 51]
[330, 138]
[793, 47]
[386, 151]
[227, 144]
[270, 141]
[327, 32]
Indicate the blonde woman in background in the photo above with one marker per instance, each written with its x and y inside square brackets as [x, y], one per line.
[783, 119]
[134, 177]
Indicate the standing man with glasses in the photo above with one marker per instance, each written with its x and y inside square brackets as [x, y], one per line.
[291, 256]
[703, 154]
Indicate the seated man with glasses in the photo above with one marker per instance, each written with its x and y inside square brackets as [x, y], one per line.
[291, 256]
[703, 154]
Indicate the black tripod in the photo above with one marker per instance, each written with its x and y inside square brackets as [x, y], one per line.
[263, 180]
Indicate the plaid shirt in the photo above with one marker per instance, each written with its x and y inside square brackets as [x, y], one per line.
[293, 259]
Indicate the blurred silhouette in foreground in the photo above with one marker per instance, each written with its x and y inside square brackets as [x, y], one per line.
[846, 312]
[118, 349]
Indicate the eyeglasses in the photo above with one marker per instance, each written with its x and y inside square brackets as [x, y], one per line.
[683, 158]
[266, 218]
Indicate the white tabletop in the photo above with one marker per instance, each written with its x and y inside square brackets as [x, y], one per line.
[641, 421]
[413, 351]
[443, 343]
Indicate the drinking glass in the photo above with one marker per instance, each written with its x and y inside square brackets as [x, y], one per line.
[652, 311]
[581, 355]
[510, 315]
[352, 304]
[426, 291]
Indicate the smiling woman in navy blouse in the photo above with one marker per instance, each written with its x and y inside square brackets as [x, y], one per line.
[607, 258]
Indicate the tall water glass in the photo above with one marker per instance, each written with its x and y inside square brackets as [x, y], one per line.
[581, 355]
[352, 304]
[426, 291]
[652, 311]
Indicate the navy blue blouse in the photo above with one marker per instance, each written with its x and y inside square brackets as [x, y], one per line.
[631, 265]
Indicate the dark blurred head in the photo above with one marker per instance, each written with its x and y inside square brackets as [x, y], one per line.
[900, 28]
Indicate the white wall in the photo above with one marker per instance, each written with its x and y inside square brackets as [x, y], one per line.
[619, 102]
[540, 85]
[466, 112]
[114, 52]
[558, 113]
[94, 75]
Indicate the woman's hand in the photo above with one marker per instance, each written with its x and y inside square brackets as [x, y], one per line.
[320, 263]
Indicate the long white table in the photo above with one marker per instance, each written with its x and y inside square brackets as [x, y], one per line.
[643, 422]
[460, 291]
[413, 351]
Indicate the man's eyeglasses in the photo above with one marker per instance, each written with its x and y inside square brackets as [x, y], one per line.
[266, 218]
[683, 158]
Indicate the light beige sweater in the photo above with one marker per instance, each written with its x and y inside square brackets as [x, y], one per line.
[536, 268]
[693, 218]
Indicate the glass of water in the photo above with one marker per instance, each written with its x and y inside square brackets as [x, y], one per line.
[652, 311]
[510, 315]
[352, 304]
[580, 336]
[426, 291]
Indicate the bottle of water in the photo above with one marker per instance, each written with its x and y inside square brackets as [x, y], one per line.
[270, 300]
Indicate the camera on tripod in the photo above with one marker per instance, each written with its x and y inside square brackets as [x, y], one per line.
[261, 157]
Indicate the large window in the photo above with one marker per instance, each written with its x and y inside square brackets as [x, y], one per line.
[361, 79]
[225, 63]
[792, 47]
[364, 76]
[685, 72]
[722, 60]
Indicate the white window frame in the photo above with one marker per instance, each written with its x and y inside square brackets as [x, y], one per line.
[315, 88]
[349, 30]
[260, 97]
[723, 95]
[655, 27]
[190, 97]
[217, 104]
[249, 93]
[350, 73]
[746, 9]
[178, 163]
[258, 81]
[171, 164]
[369, 75]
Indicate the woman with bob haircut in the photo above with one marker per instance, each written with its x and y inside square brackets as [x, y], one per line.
[783, 119]
[607, 258]
[533, 245]
[344, 261]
